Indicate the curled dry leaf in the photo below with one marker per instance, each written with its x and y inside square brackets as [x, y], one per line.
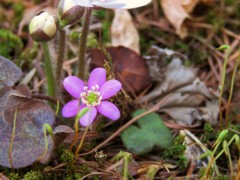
[61, 132]
[190, 101]
[28, 140]
[123, 31]
[177, 11]
[128, 66]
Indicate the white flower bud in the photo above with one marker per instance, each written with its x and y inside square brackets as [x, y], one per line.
[69, 12]
[43, 27]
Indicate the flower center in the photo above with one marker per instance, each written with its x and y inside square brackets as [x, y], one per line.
[91, 97]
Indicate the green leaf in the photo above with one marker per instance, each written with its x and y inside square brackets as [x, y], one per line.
[151, 132]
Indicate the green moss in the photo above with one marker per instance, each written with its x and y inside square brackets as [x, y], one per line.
[14, 176]
[106, 18]
[230, 2]
[209, 133]
[96, 178]
[73, 176]
[26, 57]
[74, 36]
[18, 11]
[176, 151]
[33, 175]
[11, 45]
[67, 156]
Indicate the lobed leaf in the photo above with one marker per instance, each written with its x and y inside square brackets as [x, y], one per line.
[151, 133]
[28, 139]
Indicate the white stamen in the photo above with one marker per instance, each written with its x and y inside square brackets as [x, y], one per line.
[94, 89]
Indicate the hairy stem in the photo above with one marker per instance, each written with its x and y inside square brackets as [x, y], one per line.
[83, 44]
[61, 56]
[48, 71]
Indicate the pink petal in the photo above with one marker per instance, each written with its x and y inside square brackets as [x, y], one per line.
[97, 77]
[88, 118]
[110, 88]
[71, 108]
[108, 110]
[73, 85]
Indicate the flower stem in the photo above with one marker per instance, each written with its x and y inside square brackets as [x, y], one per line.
[80, 114]
[48, 71]
[46, 128]
[81, 142]
[61, 56]
[231, 89]
[12, 138]
[83, 44]
[223, 81]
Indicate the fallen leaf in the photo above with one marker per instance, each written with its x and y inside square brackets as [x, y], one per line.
[61, 132]
[123, 31]
[177, 11]
[128, 66]
[191, 102]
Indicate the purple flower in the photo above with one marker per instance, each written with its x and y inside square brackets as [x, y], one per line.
[94, 95]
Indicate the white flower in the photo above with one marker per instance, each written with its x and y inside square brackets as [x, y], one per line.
[113, 4]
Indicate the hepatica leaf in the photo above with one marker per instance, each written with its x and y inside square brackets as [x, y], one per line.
[28, 144]
[150, 132]
[9, 72]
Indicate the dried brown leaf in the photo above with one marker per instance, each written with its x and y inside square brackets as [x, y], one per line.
[177, 11]
[123, 31]
[128, 67]
[191, 102]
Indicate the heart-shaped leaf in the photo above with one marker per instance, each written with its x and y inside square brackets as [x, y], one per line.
[22, 137]
[151, 132]
[29, 143]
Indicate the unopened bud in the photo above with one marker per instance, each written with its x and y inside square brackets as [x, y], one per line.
[43, 27]
[69, 12]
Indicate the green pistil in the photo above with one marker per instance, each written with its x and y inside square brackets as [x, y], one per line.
[91, 98]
